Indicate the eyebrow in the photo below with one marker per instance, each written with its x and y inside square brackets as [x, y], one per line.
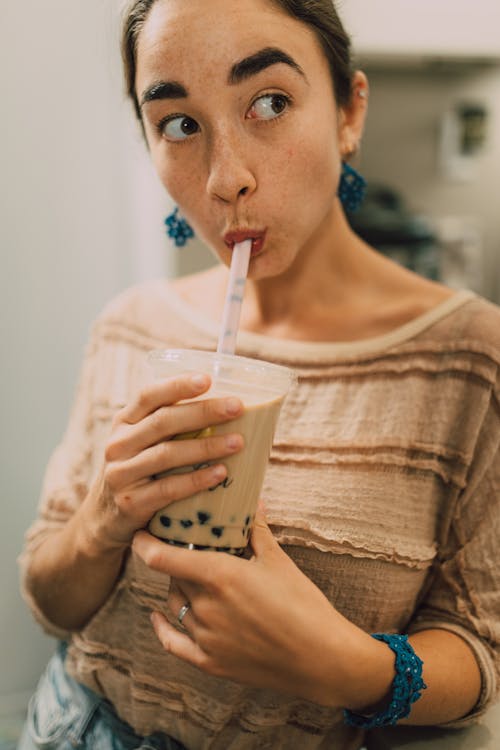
[240, 71]
[261, 60]
[164, 90]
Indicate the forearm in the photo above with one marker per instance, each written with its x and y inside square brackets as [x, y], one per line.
[450, 672]
[71, 574]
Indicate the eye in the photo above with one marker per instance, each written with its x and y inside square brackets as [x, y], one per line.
[269, 106]
[178, 127]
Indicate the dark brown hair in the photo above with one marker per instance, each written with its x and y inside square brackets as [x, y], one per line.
[320, 15]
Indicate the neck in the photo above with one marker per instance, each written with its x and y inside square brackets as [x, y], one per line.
[325, 276]
[337, 289]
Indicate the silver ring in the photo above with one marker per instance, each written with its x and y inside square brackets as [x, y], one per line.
[183, 612]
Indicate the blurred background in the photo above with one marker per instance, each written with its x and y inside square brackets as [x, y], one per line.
[82, 213]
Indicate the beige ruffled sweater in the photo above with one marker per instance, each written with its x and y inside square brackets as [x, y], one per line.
[383, 486]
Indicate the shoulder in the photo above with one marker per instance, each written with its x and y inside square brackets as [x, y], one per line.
[135, 303]
[140, 317]
[147, 310]
[149, 315]
[477, 324]
[468, 324]
[467, 342]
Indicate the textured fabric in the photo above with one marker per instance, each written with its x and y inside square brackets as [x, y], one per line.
[383, 486]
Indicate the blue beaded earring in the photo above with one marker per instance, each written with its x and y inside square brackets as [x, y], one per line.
[352, 188]
[178, 228]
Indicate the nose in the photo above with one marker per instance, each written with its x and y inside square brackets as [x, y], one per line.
[230, 175]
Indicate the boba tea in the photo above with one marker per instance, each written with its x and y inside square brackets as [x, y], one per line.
[221, 518]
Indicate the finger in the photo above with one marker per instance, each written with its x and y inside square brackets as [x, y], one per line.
[176, 642]
[143, 501]
[171, 421]
[262, 540]
[194, 566]
[176, 601]
[168, 391]
[187, 590]
[173, 454]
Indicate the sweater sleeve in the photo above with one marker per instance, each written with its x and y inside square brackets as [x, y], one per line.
[464, 597]
[66, 481]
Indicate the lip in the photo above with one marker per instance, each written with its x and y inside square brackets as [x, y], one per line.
[257, 236]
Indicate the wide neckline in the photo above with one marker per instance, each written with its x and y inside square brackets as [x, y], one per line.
[286, 348]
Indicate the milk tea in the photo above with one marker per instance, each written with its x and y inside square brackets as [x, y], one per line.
[221, 518]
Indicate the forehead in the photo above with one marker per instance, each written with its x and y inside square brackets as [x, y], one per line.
[196, 37]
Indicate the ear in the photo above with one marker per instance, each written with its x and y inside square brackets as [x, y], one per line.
[352, 116]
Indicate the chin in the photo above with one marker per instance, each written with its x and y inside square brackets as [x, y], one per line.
[268, 266]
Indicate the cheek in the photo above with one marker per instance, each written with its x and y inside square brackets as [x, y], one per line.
[310, 168]
[179, 182]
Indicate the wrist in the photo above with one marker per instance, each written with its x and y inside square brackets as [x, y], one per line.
[92, 529]
[367, 674]
[352, 670]
[368, 684]
[406, 687]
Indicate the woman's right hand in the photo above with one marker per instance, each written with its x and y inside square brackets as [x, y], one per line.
[140, 450]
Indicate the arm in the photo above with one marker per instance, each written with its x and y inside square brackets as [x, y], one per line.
[452, 676]
[263, 623]
[73, 569]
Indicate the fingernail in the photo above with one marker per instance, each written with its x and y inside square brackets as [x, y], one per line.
[234, 442]
[219, 473]
[233, 406]
[199, 381]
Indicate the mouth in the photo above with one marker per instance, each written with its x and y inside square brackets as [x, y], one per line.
[257, 236]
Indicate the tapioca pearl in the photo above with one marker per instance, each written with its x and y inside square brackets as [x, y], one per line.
[232, 519]
[203, 517]
[166, 521]
[248, 533]
[218, 531]
[244, 531]
[186, 523]
[247, 520]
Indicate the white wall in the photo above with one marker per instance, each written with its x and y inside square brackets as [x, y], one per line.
[81, 218]
[424, 27]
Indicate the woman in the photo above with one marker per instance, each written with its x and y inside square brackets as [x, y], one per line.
[382, 493]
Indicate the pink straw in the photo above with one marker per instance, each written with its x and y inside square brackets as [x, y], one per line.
[234, 297]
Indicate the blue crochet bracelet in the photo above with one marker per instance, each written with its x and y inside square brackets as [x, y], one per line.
[406, 687]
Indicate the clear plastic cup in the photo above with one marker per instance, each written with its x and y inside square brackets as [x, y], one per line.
[221, 518]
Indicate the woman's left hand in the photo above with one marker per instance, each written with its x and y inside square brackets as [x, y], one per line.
[260, 622]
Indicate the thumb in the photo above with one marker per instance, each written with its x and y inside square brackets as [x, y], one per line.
[262, 540]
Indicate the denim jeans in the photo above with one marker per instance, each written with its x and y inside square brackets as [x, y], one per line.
[64, 715]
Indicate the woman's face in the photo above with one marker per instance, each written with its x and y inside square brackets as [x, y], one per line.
[242, 125]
